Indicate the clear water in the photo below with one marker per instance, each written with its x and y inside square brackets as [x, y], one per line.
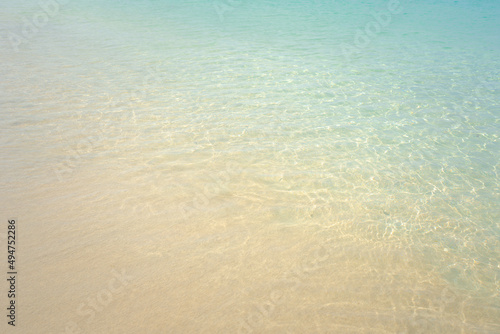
[253, 166]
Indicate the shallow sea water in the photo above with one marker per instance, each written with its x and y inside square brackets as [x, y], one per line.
[253, 166]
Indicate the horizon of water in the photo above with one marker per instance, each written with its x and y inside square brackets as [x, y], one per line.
[252, 166]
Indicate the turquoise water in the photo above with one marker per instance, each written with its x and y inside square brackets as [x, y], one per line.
[255, 166]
